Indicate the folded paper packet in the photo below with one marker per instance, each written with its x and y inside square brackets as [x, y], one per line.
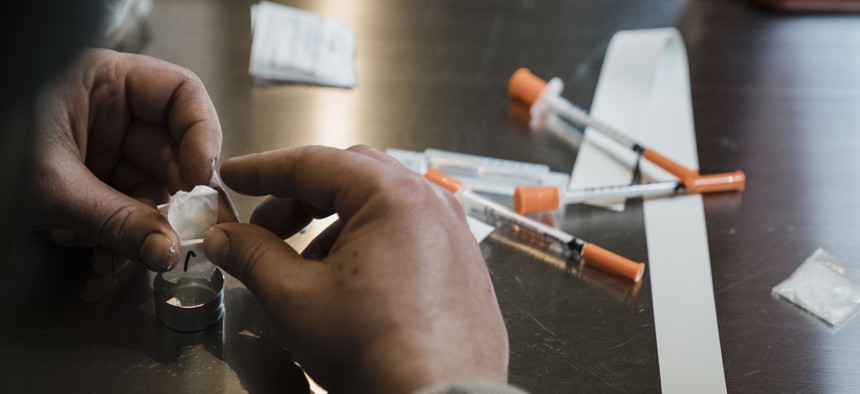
[191, 214]
[293, 45]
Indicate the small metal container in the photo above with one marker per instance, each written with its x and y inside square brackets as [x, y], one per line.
[190, 304]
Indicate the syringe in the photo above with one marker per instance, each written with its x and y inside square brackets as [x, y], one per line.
[473, 202]
[481, 173]
[548, 198]
[545, 99]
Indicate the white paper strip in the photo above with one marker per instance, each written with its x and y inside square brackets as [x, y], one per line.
[619, 102]
[644, 91]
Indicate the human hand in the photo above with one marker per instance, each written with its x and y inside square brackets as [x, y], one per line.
[119, 133]
[393, 297]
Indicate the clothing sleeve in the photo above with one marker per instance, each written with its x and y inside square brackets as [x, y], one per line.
[472, 388]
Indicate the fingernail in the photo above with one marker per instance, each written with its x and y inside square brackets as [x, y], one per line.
[62, 237]
[119, 263]
[216, 244]
[158, 252]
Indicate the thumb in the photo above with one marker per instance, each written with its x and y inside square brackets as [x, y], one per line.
[75, 200]
[255, 256]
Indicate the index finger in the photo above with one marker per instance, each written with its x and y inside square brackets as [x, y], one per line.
[327, 179]
[162, 93]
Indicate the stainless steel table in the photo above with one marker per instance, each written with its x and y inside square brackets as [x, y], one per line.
[775, 95]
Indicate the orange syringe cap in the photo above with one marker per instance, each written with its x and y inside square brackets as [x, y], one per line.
[525, 86]
[614, 263]
[695, 183]
[536, 199]
[441, 179]
[728, 181]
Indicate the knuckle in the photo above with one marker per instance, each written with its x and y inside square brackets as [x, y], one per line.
[248, 257]
[190, 81]
[412, 192]
[306, 158]
[116, 226]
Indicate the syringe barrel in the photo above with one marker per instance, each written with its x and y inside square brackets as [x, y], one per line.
[621, 191]
[473, 202]
[548, 198]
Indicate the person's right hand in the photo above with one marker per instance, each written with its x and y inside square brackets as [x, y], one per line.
[393, 297]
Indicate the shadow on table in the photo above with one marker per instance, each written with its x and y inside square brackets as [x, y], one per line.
[61, 327]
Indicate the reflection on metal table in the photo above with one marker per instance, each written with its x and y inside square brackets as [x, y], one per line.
[773, 94]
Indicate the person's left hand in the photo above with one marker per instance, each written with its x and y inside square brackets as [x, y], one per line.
[118, 134]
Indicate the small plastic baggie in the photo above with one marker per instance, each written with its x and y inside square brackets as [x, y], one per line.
[823, 286]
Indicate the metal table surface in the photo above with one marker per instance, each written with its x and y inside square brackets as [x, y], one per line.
[777, 96]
